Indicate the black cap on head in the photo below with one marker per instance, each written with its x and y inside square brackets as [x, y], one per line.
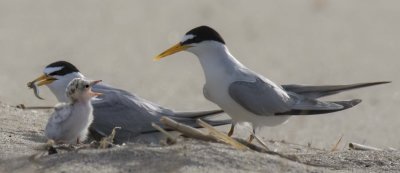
[202, 33]
[66, 68]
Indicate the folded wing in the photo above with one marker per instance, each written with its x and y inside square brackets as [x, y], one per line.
[263, 99]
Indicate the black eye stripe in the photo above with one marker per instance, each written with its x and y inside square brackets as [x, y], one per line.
[66, 68]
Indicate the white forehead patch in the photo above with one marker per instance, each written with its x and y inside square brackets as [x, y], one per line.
[49, 70]
[187, 37]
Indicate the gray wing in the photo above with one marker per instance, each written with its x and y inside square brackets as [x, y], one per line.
[322, 91]
[259, 97]
[120, 108]
[62, 112]
[262, 98]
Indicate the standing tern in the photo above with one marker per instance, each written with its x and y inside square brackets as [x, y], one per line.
[70, 121]
[116, 107]
[250, 97]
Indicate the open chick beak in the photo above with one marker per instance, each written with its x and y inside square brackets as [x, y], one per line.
[94, 82]
[42, 80]
[94, 94]
[174, 49]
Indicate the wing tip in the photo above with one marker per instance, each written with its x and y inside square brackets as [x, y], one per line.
[348, 104]
[345, 105]
[355, 101]
[381, 82]
[199, 114]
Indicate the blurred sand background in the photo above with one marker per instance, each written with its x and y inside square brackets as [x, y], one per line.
[305, 42]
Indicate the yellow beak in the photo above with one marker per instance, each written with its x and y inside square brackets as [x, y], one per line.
[174, 49]
[42, 80]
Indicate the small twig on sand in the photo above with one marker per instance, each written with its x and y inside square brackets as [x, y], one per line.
[108, 141]
[361, 147]
[170, 138]
[335, 147]
[260, 141]
[22, 106]
[300, 145]
[252, 146]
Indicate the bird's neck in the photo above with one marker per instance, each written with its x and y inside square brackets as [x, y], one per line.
[82, 103]
[217, 60]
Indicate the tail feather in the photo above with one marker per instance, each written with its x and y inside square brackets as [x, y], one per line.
[322, 91]
[211, 122]
[344, 104]
[189, 118]
[191, 121]
[195, 115]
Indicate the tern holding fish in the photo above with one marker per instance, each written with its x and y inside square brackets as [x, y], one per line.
[116, 107]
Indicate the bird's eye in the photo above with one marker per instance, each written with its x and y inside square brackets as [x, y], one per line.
[86, 86]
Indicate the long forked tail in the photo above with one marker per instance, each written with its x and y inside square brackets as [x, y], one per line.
[189, 118]
[344, 104]
[200, 114]
[322, 91]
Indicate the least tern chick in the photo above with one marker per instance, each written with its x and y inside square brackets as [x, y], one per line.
[70, 121]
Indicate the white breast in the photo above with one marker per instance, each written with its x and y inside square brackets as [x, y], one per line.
[69, 122]
[220, 70]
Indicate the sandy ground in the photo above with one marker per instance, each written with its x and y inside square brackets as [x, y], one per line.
[20, 140]
[304, 42]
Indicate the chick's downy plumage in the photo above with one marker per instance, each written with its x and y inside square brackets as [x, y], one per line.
[70, 121]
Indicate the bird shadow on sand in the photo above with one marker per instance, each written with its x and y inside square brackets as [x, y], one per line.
[34, 136]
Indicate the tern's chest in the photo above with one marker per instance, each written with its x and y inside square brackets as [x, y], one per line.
[216, 88]
[82, 115]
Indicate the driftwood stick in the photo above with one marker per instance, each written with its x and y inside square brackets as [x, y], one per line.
[191, 132]
[168, 135]
[216, 136]
[186, 130]
[361, 147]
[221, 136]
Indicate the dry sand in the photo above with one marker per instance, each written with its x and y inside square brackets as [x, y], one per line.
[22, 136]
[304, 42]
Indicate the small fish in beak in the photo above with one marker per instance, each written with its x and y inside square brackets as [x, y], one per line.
[35, 89]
